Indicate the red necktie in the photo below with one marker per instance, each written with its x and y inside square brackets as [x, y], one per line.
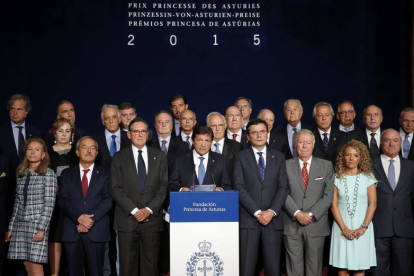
[305, 176]
[234, 136]
[85, 182]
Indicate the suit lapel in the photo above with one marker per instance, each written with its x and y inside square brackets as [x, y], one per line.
[225, 148]
[403, 168]
[380, 170]
[191, 168]
[298, 173]
[94, 180]
[78, 180]
[313, 172]
[210, 169]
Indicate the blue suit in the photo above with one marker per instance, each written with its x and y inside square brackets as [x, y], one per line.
[98, 202]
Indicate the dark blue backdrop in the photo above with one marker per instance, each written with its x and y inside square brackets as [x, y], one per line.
[311, 50]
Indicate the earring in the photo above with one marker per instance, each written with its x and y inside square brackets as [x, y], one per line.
[70, 142]
[55, 142]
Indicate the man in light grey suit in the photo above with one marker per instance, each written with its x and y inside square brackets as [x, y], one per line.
[311, 184]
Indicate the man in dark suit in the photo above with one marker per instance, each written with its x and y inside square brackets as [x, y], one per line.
[306, 224]
[393, 218]
[139, 179]
[112, 139]
[328, 140]
[406, 133]
[245, 106]
[268, 116]
[178, 103]
[12, 141]
[260, 177]
[172, 147]
[346, 117]
[85, 199]
[66, 110]
[187, 122]
[4, 177]
[128, 113]
[200, 166]
[283, 137]
[370, 135]
[221, 144]
[234, 126]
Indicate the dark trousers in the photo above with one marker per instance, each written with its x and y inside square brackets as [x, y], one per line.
[85, 253]
[138, 252]
[394, 256]
[271, 243]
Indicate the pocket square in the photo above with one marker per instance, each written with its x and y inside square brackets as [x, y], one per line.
[319, 178]
[3, 175]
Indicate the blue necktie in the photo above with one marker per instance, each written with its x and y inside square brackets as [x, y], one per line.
[325, 141]
[217, 147]
[112, 149]
[406, 146]
[142, 172]
[391, 174]
[295, 132]
[201, 171]
[261, 165]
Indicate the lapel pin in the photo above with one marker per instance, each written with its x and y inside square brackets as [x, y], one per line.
[155, 158]
[334, 139]
[30, 134]
[212, 160]
[273, 156]
[97, 171]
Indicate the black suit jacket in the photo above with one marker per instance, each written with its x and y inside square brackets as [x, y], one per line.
[279, 139]
[104, 157]
[98, 202]
[255, 194]
[128, 194]
[175, 149]
[336, 141]
[394, 215]
[184, 175]
[361, 135]
[230, 149]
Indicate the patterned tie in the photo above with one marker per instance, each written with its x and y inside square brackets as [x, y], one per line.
[235, 136]
[112, 148]
[201, 171]
[188, 142]
[261, 165]
[325, 141]
[217, 147]
[391, 174]
[295, 132]
[305, 176]
[163, 146]
[373, 146]
[142, 172]
[406, 146]
[85, 183]
[21, 144]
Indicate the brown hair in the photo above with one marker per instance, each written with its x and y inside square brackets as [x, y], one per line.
[44, 164]
[364, 165]
[58, 123]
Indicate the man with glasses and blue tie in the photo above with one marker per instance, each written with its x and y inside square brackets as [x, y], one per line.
[259, 174]
[201, 166]
[221, 143]
[393, 219]
[406, 132]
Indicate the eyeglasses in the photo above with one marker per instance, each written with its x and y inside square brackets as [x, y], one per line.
[349, 112]
[255, 133]
[406, 121]
[142, 132]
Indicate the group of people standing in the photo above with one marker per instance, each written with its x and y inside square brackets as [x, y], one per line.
[297, 185]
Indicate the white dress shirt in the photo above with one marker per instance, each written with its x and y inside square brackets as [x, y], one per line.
[230, 135]
[321, 132]
[108, 136]
[377, 136]
[221, 145]
[385, 160]
[89, 174]
[196, 160]
[290, 132]
[184, 137]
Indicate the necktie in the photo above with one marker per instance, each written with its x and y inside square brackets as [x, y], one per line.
[188, 142]
[163, 147]
[217, 147]
[373, 146]
[406, 146]
[142, 172]
[26, 188]
[325, 141]
[112, 148]
[261, 165]
[295, 132]
[201, 171]
[235, 136]
[85, 183]
[21, 144]
[305, 176]
[391, 174]
[347, 129]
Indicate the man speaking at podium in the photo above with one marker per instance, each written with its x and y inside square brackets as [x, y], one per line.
[200, 166]
[259, 175]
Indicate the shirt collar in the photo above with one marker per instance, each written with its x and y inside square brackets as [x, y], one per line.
[14, 125]
[168, 139]
[117, 133]
[298, 126]
[90, 168]
[255, 151]
[196, 155]
[135, 149]
[308, 162]
[321, 132]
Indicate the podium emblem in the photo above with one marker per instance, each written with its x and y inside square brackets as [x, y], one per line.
[204, 262]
